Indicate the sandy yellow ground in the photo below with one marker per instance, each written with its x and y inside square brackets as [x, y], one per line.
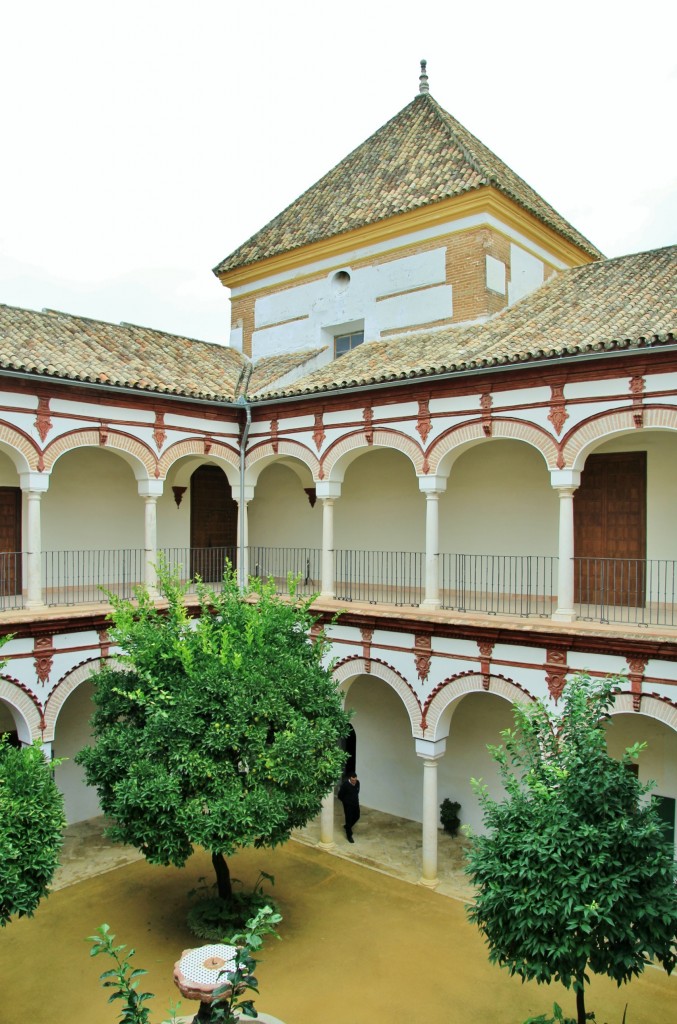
[358, 947]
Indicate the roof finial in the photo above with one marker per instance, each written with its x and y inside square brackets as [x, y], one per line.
[423, 78]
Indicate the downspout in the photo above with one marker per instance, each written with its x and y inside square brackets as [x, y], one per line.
[243, 403]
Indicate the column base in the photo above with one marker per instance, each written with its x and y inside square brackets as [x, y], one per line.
[429, 883]
[564, 615]
[431, 602]
[38, 603]
[328, 847]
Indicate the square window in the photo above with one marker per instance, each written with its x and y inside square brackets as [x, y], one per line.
[345, 342]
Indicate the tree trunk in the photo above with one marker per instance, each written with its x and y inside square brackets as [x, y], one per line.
[223, 883]
[580, 1003]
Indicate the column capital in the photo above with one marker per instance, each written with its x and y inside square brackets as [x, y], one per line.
[432, 484]
[565, 478]
[248, 492]
[150, 488]
[431, 750]
[328, 489]
[34, 482]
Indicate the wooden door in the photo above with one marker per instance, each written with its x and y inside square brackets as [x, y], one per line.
[610, 530]
[10, 540]
[213, 523]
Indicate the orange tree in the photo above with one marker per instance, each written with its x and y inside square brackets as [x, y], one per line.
[574, 874]
[221, 730]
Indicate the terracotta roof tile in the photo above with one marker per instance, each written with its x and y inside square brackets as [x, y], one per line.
[421, 156]
[75, 348]
[602, 306]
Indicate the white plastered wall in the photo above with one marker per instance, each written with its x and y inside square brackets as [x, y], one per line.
[381, 507]
[8, 474]
[92, 503]
[280, 514]
[499, 501]
[71, 735]
[477, 720]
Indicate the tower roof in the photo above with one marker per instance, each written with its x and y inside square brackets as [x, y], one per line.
[421, 156]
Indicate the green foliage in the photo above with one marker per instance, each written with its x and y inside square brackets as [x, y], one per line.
[220, 731]
[31, 829]
[574, 873]
[449, 818]
[123, 978]
[228, 1003]
[211, 917]
[559, 1018]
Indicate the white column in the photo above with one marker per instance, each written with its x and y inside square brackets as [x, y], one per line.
[150, 491]
[565, 482]
[432, 487]
[430, 751]
[33, 486]
[242, 554]
[327, 823]
[328, 491]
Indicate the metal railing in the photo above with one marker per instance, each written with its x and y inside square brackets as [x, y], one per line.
[83, 577]
[281, 564]
[379, 577]
[523, 585]
[636, 591]
[207, 563]
[10, 580]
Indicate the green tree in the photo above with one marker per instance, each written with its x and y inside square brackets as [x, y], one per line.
[31, 829]
[221, 731]
[574, 873]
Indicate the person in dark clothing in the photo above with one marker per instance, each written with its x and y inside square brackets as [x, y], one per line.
[349, 795]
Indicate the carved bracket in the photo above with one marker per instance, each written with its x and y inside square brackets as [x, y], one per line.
[485, 406]
[318, 431]
[556, 669]
[43, 656]
[558, 414]
[423, 654]
[423, 424]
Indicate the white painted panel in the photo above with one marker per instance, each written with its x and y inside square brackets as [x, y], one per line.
[597, 388]
[18, 400]
[101, 411]
[286, 338]
[526, 273]
[417, 271]
[607, 664]
[236, 335]
[290, 304]
[415, 308]
[495, 275]
[663, 670]
[521, 396]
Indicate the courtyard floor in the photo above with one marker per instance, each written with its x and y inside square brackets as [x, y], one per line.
[360, 943]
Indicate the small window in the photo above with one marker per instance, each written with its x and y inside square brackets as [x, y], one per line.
[345, 342]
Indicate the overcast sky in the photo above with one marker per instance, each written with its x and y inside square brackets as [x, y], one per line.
[143, 141]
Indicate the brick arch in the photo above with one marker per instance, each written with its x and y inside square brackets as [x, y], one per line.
[392, 439]
[63, 689]
[600, 428]
[453, 689]
[196, 446]
[26, 707]
[658, 708]
[469, 433]
[346, 671]
[23, 451]
[268, 453]
[141, 456]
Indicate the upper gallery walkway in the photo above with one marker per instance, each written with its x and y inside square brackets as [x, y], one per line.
[622, 593]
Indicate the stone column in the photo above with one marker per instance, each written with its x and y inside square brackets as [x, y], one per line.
[327, 823]
[432, 487]
[150, 491]
[33, 486]
[242, 556]
[430, 751]
[328, 491]
[565, 482]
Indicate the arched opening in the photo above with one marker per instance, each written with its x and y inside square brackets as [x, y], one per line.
[213, 523]
[71, 734]
[8, 726]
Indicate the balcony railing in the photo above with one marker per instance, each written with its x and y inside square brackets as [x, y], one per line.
[83, 577]
[10, 580]
[379, 577]
[523, 585]
[636, 591]
[624, 591]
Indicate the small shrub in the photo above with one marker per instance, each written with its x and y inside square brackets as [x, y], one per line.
[214, 919]
[449, 818]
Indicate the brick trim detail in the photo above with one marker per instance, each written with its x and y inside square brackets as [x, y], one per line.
[66, 685]
[294, 448]
[22, 445]
[94, 438]
[346, 672]
[451, 690]
[393, 439]
[196, 446]
[458, 437]
[24, 705]
[659, 708]
[600, 428]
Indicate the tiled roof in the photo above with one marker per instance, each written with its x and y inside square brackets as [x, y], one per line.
[54, 344]
[419, 157]
[608, 305]
[272, 368]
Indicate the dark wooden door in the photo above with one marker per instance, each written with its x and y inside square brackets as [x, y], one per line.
[610, 530]
[213, 523]
[10, 540]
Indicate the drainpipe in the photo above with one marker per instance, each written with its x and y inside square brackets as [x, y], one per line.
[243, 403]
